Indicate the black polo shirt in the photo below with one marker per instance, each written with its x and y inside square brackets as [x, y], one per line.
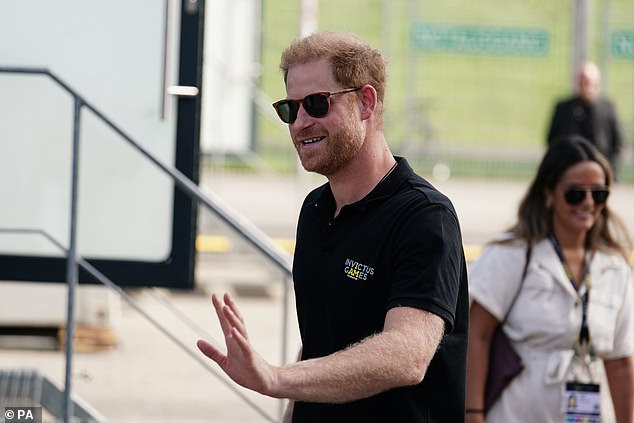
[399, 246]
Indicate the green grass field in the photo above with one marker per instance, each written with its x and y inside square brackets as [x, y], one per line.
[475, 111]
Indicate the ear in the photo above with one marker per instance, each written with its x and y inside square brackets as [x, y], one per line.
[368, 101]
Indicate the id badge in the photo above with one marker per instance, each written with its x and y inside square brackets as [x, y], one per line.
[582, 403]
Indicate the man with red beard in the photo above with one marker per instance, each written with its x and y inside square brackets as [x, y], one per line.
[379, 270]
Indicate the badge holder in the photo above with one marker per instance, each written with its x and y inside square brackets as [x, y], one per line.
[581, 400]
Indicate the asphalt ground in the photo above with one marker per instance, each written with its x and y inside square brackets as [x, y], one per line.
[151, 376]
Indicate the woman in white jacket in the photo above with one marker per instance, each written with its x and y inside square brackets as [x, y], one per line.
[573, 321]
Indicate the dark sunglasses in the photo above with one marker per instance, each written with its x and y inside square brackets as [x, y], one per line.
[317, 105]
[576, 195]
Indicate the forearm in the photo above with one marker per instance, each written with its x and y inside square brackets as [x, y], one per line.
[375, 365]
[390, 359]
[288, 413]
[620, 374]
[397, 356]
[482, 324]
[477, 357]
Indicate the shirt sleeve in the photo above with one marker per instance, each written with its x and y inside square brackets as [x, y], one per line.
[429, 265]
[624, 330]
[494, 278]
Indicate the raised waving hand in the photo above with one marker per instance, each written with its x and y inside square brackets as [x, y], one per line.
[240, 362]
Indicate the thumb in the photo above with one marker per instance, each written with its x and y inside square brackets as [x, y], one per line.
[210, 351]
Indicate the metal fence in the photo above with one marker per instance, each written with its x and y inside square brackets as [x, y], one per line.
[471, 84]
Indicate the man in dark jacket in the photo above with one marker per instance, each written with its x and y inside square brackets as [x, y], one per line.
[589, 115]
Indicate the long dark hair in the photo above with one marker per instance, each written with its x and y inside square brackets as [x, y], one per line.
[534, 220]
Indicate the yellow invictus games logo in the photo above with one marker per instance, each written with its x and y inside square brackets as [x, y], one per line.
[358, 271]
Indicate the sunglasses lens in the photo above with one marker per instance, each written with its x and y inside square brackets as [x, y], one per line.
[284, 109]
[600, 196]
[316, 105]
[574, 196]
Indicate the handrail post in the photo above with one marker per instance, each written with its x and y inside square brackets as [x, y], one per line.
[71, 264]
[286, 282]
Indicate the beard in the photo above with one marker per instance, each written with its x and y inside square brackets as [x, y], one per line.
[340, 148]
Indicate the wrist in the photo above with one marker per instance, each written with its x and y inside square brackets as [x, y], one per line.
[474, 410]
[274, 387]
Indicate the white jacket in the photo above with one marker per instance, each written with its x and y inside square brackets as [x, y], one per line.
[545, 321]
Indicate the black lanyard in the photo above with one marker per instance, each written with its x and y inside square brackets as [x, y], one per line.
[584, 332]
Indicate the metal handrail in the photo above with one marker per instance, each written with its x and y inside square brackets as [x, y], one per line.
[250, 233]
[103, 279]
[254, 236]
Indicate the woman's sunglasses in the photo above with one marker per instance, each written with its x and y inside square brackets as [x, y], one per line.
[576, 195]
[317, 105]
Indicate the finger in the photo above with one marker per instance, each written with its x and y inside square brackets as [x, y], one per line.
[218, 306]
[231, 303]
[235, 321]
[210, 351]
[232, 313]
[242, 342]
